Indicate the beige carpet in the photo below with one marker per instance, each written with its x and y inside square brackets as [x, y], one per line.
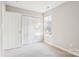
[36, 50]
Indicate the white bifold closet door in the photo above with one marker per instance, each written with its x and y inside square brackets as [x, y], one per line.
[25, 30]
[12, 30]
[32, 29]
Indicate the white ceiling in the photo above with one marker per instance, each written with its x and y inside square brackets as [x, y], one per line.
[38, 6]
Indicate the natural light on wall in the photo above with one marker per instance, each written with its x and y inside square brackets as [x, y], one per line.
[48, 26]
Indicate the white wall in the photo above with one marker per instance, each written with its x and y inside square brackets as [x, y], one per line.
[0, 27]
[2, 9]
[66, 25]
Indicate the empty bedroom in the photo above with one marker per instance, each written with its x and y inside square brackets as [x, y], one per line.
[39, 28]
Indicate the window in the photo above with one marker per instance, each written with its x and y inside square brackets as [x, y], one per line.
[48, 26]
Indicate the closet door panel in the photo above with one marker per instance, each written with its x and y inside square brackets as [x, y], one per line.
[11, 30]
[32, 29]
[35, 29]
[25, 30]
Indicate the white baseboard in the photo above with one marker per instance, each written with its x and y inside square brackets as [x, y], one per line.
[57, 46]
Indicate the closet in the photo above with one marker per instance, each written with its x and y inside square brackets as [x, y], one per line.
[20, 29]
[32, 29]
[11, 30]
